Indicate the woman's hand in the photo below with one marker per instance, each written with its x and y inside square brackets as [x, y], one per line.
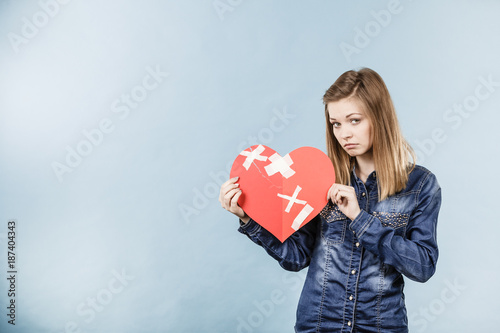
[230, 192]
[345, 198]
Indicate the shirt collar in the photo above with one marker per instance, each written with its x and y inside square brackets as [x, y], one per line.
[371, 177]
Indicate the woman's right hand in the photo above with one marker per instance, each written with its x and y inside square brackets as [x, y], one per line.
[230, 192]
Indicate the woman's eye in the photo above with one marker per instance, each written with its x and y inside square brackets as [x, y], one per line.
[335, 125]
[355, 121]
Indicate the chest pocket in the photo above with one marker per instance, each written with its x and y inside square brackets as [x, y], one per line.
[396, 221]
[333, 224]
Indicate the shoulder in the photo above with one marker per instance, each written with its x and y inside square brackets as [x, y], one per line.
[422, 179]
[420, 172]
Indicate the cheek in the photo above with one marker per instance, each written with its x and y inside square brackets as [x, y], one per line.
[368, 133]
[336, 134]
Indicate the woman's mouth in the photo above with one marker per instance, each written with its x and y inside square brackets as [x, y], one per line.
[350, 145]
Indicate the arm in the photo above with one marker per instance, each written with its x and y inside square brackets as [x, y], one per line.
[294, 254]
[416, 256]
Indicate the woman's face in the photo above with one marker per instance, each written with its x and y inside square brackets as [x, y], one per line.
[351, 127]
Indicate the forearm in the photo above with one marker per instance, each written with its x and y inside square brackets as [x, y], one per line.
[294, 254]
[415, 258]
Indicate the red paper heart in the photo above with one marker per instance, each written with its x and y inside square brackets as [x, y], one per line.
[282, 194]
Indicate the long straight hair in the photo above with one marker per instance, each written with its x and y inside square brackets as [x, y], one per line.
[391, 152]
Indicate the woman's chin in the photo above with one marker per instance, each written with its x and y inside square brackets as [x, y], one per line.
[351, 153]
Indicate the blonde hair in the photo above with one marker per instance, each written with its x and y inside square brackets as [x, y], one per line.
[391, 152]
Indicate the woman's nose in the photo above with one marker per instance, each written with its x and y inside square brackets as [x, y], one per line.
[346, 134]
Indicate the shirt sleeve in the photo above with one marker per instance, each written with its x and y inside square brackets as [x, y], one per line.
[416, 255]
[295, 253]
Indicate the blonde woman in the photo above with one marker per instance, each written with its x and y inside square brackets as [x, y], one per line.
[379, 225]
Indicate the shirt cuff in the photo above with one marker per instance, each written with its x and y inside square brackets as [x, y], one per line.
[249, 228]
[361, 223]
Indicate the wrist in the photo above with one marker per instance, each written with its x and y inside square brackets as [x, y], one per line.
[245, 219]
[355, 214]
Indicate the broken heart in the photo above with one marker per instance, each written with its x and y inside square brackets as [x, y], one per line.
[280, 193]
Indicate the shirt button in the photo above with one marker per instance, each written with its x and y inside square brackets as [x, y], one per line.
[357, 244]
[351, 298]
[363, 194]
[349, 323]
[353, 271]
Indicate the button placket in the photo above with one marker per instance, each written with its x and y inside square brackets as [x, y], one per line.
[352, 285]
[355, 264]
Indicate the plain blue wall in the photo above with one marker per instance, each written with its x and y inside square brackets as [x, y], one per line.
[131, 236]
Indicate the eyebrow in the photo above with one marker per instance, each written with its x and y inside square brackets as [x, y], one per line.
[350, 114]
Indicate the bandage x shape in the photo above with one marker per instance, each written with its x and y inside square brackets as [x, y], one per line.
[253, 155]
[293, 199]
[300, 218]
[278, 163]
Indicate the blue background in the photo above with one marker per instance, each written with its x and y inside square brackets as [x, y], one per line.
[142, 204]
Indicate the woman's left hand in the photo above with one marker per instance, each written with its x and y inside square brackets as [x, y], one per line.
[345, 198]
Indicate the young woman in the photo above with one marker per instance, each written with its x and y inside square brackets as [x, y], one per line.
[379, 224]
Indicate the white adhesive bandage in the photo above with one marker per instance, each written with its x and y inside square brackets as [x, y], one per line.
[304, 213]
[293, 199]
[281, 165]
[253, 155]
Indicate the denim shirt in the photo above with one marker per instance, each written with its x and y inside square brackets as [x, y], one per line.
[356, 267]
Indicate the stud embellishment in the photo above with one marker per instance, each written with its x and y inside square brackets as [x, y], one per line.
[393, 220]
[332, 213]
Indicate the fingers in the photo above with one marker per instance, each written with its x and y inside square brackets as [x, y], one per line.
[228, 197]
[227, 186]
[341, 195]
[331, 192]
[345, 198]
[338, 192]
[235, 208]
[230, 192]
[231, 202]
[230, 181]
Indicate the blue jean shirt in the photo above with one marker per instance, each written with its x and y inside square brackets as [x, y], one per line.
[355, 277]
